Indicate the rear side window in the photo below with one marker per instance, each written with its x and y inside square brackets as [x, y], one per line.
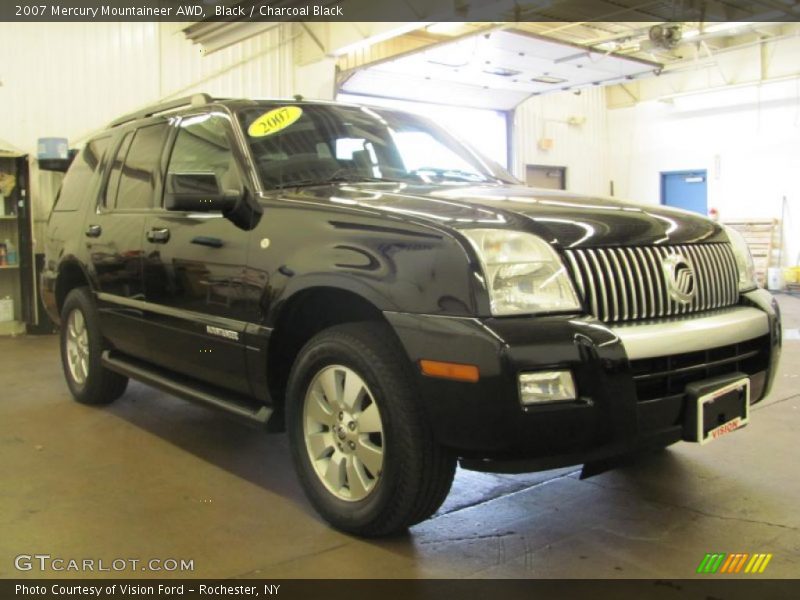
[83, 174]
[136, 168]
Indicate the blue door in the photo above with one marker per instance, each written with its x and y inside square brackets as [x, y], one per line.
[685, 189]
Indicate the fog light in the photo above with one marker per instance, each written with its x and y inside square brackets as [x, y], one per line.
[546, 386]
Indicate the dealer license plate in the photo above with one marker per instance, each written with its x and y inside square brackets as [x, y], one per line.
[723, 411]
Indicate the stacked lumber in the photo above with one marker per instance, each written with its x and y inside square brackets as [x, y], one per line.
[760, 237]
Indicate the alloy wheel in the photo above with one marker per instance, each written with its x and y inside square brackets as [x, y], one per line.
[343, 433]
[77, 347]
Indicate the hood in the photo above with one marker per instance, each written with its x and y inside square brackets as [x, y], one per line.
[565, 220]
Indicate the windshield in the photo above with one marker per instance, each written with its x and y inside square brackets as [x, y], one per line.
[297, 145]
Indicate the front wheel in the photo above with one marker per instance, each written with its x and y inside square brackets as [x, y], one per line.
[363, 450]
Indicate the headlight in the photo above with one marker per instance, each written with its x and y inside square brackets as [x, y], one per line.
[523, 273]
[744, 260]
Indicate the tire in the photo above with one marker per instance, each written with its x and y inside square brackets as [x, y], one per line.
[88, 380]
[416, 473]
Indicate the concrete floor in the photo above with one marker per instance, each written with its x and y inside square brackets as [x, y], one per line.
[155, 477]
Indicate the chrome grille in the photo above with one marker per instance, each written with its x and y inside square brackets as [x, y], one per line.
[624, 284]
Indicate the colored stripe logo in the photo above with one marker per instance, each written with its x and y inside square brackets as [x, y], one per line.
[741, 562]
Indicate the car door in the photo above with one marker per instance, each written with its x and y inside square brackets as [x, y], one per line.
[114, 234]
[194, 266]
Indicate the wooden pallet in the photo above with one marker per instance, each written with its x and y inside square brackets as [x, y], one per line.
[760, 237]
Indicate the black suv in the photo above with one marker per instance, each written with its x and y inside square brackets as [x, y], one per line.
[394, 300]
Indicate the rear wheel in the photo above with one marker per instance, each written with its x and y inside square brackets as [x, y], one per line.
[363, 450]
[82, 345]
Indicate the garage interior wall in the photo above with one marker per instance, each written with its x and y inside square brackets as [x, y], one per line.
[103, 70]
[751, 154]
[578, 127]
[714, 115]
[737, 117]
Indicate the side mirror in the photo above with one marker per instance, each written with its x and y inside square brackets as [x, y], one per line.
[198, 192]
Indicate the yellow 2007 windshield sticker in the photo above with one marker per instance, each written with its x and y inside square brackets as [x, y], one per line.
[274, 121]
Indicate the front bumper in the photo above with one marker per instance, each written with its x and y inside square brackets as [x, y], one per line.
[630, 379]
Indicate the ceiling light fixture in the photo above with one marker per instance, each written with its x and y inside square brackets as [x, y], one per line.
[455, 63]
[501, 71]
[731, 27]
[445, 28]
[548, 79]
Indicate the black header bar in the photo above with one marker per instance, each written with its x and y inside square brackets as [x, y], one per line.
[425, 589]
[399, 10]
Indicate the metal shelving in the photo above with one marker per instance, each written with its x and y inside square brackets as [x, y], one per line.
[11, 228]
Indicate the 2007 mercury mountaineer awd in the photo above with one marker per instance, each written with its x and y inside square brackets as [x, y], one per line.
[395, 301]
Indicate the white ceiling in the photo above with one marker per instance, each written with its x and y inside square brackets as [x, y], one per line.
[496, 70]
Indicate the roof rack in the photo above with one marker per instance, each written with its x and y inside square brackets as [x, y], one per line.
[193, 100]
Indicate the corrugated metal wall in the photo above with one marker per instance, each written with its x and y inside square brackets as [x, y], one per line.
[583, 148]
[258, 67]
[67, 79]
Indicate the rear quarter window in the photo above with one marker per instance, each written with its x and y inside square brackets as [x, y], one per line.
[83, 175]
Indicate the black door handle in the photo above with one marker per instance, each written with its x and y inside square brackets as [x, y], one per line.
[211, 242]
[94, 231]
[158, 236]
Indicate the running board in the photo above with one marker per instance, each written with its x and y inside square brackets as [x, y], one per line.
[230, 403]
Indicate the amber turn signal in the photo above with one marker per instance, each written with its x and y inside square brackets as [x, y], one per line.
[446, 370]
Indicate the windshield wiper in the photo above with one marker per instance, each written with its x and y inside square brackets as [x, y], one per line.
[357, 179]
[349, 176]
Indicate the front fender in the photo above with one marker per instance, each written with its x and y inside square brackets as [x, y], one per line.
[394, 265]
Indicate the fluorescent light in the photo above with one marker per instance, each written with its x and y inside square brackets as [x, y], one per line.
[445, 28]
[731, 26]
[548, 79]
[445, 62]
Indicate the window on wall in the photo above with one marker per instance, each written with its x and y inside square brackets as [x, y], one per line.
[484, 130]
